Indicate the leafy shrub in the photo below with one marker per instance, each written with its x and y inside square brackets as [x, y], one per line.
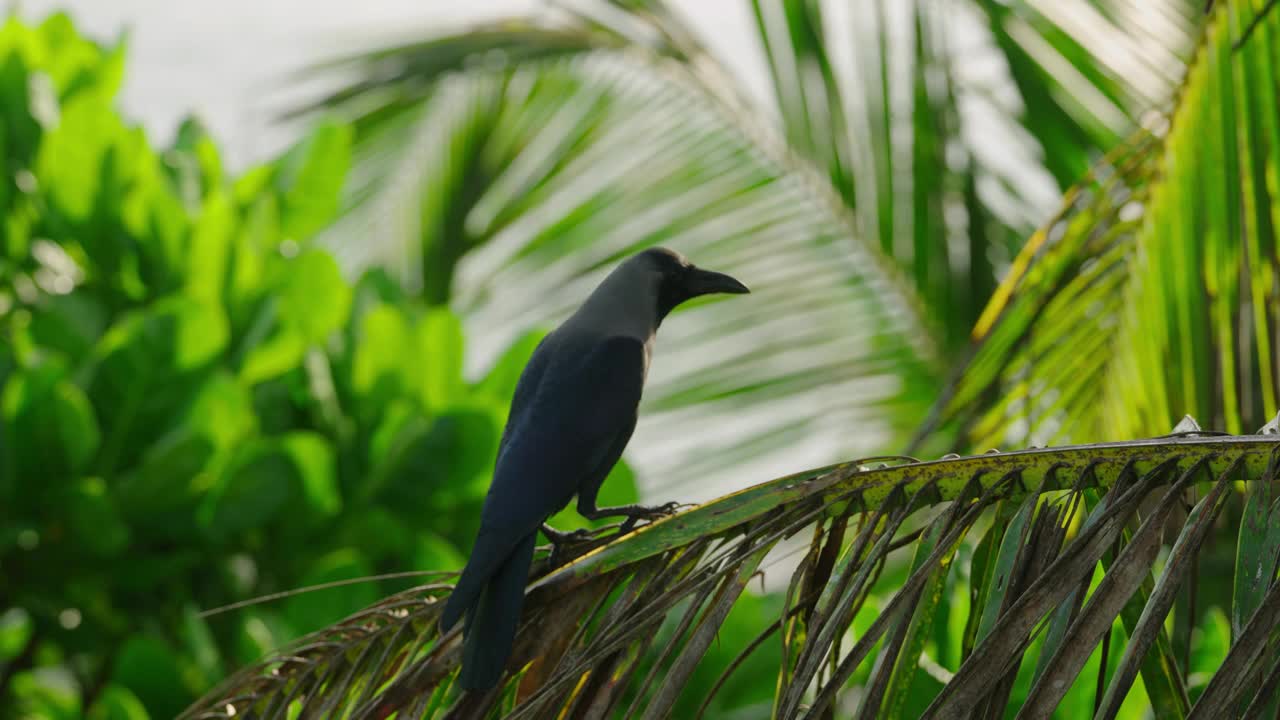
[196, 407]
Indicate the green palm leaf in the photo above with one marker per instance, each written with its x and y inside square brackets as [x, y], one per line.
[519, 160]
[520, 187]
[590, 625]
[1152, 294]
[1037, 581]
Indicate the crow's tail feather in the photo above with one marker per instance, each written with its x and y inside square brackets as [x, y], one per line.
[487, 557]
[492, 620]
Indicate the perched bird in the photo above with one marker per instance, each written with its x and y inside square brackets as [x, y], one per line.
[574, 410]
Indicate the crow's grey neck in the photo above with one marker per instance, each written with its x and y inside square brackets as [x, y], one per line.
[624, 304]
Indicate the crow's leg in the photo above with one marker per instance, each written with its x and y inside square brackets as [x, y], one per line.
[633, 513]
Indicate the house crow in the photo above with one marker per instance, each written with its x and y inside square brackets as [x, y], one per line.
[574, 410]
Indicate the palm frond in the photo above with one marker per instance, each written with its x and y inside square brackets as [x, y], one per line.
[516, 160]
[905, 121]
[590, 626]
[530, 179]
[1152, 294]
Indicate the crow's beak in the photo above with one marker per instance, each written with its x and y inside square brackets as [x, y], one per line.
[706, 282]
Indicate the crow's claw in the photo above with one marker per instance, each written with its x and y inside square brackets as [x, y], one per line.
[562, 543]
[559, 538]
[649, 513]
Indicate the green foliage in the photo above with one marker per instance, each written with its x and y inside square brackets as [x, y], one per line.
[196, 407]
[917, 597]
[1151, 295]
[521, 160]
[876, 196]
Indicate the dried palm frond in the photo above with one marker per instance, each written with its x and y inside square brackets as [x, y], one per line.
[1043, 520]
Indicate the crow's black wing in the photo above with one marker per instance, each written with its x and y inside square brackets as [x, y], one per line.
[526, 387]
[575, 418]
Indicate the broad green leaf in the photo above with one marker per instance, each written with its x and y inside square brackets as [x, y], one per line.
[383, 346]
[194, 162]
[16, 628]
[200, 645]
[95, 519]
[148, 667]
[264, 477]
[395, 444]
[70, 324]
[147, 367]
[20, 130]
[117, 703]
[443, 464]
[433, 552]
[386, 538]
[257, 484]
[314, 298]
[73, 157]
[256, 240]
[273, 357]
[314, 610]
[310, 179]
[440, 346]
[161, 491]
[252, 187]
[49, 693]
[76, 63]
[173, 335]
[211, 247]
[49, 424]
[314, 463]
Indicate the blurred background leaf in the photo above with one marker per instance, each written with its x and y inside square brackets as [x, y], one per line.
[196, 407]
[216, 384]
[907, 150]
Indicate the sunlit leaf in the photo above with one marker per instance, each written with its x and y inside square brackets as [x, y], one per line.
[440, 346]
[310, 178]
[15, 632]
[1144, 299]
[47, 693]
[314, 299]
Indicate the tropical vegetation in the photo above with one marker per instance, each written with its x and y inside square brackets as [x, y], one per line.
[217, 387]
[197, 407]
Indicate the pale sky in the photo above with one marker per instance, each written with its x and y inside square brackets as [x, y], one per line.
[228, 61]
[233, 63]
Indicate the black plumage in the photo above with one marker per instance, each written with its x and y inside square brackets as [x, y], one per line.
[574, 410]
